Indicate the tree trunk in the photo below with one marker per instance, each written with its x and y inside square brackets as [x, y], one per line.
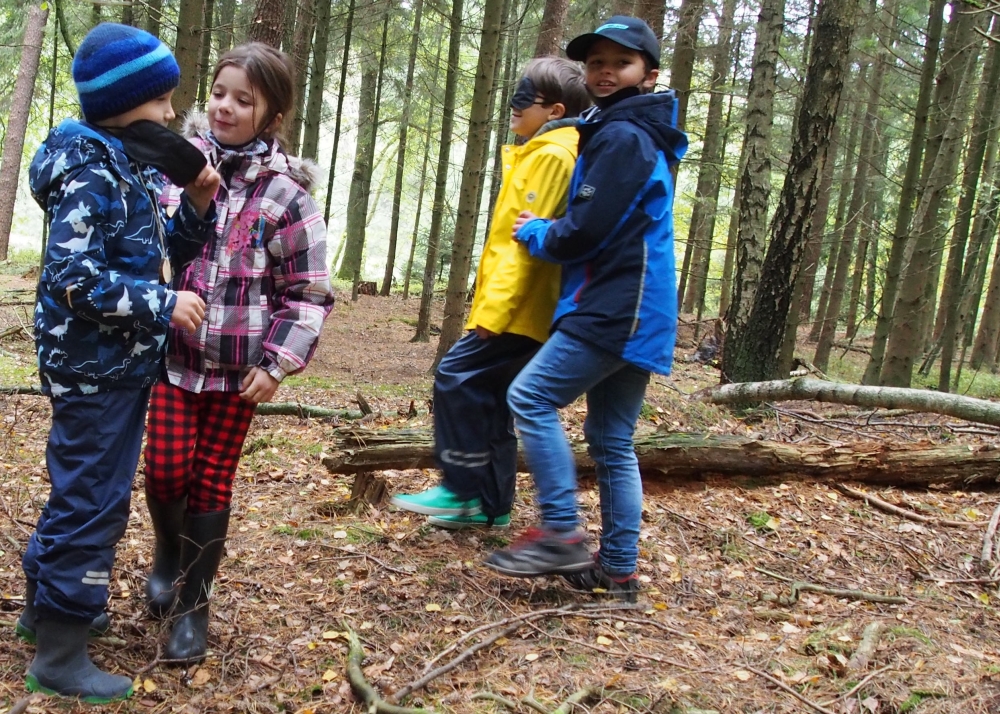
[550, 32]
[357, 202]
[187, 51]
[428, 133]
[205, 58]
[313, 115]
[341, 92]
[652, 11]
[17, 121]
[154, 16]
[957, 275]
[682, 64]
[755, 182]
[706, 201]
[690, 456]
[729, 263]
[472, 174]
[423, 331]
[906, 335]
[268, 24]
[404, 127]
[305, 27]
[983, 352]
[756, 349]
[817, 233]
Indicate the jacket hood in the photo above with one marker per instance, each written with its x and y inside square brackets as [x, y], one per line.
[69, 146]
[655, 113]
[304, 172]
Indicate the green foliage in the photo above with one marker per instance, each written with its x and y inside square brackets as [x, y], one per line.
[761, 521]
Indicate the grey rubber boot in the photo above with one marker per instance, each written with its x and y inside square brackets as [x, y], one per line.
[161, 583]
[204, 545]
[62, 666]
[25, 627]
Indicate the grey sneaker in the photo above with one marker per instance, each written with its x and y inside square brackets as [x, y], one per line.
[541, 551]
[595, 580]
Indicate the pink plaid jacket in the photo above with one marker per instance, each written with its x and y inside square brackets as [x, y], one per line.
[263, 275]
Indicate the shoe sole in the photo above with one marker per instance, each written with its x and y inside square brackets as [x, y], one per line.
[33, 685]
[561, 570]
[433, 511]
[455, 526]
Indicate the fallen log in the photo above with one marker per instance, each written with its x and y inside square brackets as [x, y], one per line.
[804, 388]
[698, 455]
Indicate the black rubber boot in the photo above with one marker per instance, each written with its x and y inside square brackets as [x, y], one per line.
[25, 627]
[204, 544]
[161, 583]
[63, 667]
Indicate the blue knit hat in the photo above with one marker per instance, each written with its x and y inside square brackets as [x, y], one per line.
[118, 68]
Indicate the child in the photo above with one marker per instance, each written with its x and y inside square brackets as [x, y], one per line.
[616, 317]
[511, 312]
[100, 323]
[265, 280]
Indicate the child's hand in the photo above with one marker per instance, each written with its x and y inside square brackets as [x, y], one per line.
[483, 334]
[258, 386]
[202, 190]
[521, 220]
[189, 311]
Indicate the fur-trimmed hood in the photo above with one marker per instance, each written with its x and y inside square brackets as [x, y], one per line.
[304, 172]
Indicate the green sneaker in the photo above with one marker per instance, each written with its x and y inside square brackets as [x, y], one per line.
[458, 523]
[436, 501]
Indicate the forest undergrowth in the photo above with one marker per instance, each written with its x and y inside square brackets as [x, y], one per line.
[759, 595]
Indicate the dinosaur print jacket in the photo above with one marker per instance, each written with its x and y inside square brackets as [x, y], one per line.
[102, 307]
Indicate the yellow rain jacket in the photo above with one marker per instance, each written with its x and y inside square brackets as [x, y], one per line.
[514, 292]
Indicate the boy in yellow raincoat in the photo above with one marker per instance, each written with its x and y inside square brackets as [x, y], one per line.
[511, 313]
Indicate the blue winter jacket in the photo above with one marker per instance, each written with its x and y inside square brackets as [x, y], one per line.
[102, 309]
[616, 241]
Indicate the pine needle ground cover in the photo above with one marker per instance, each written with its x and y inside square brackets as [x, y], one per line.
[759, 595]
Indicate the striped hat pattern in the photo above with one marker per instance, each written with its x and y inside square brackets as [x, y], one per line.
[118, 68]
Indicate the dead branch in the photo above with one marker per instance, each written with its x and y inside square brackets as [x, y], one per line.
[22, 389]
[304, 411]
[577, 697]
[491, 697]
[804, 388]
[857, 687]
[896, 510]
[808, 702]
[360, 685]
[681, 455]
[869, 642]
[798, 586]
[986, 557]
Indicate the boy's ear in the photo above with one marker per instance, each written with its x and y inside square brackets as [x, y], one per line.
[557, 111]
[649, 81]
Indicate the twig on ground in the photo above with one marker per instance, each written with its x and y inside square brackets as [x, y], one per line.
[798, 586]
[869, 641]
[530, 701]
[577, 697]
[604, 650]
[491, 697]
[986, 557]
[857, 687]
[896, 510]
[22, 705]
[360, 685]
[808, 702]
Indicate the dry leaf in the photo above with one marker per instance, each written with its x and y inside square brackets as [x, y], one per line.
[201, 678]
[531, 657]
[602, 640]
[329, 675]
[742, 675]
[433, 607]
[148, 685]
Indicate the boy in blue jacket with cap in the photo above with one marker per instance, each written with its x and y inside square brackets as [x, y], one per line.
[103, 306]
[616, 318]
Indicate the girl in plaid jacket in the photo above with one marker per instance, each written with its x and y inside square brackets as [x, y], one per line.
[266, 285]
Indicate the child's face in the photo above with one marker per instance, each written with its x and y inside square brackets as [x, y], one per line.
[611, 67]
[235, 110]
[526, 122]
[160, 110]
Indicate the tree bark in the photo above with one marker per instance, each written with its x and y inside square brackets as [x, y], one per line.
[17, 121]
[755, 181]
[984, 347]
[697, 455]
[268, 24]
[205, 55]
[682, 63]
[187, 51]
[305, 27]
[313, 115]
[756, 349]
[423, 330]
[341, 93]
[550, 32]
[472, 175]
[652, 11]
[404, 127]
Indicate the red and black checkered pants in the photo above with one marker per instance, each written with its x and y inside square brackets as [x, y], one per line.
[193, 446]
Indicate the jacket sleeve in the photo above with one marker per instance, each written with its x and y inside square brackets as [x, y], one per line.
[187, 233]
[545, 177]
[76, 262]
[617, 166]
[302, 295]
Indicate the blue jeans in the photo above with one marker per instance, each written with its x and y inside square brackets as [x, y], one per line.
[564, 368]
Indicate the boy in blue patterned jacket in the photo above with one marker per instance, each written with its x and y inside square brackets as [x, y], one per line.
[104, 304]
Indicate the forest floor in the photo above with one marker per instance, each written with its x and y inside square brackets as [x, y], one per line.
[724, 623]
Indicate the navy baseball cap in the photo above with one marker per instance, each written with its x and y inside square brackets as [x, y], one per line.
[627, 31]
